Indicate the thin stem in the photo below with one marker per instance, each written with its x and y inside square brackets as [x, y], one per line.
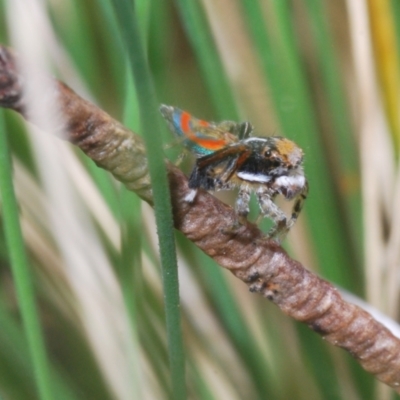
[130, 32]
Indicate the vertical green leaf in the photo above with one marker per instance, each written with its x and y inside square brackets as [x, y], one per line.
[162, 205]
[21, 272]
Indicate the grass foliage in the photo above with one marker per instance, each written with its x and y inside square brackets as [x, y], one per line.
[85, 296]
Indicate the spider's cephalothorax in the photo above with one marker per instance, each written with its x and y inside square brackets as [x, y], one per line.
[266, 166]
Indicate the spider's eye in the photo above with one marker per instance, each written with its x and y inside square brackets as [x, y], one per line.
[267, 153]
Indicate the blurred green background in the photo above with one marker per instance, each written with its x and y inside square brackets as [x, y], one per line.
[325, 74]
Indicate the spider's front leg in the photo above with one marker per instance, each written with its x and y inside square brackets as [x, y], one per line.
[271, 210]
[298, 205]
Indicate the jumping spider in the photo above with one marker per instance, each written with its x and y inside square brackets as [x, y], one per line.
[227, 157]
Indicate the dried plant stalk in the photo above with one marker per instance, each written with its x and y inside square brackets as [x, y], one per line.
[260, 263]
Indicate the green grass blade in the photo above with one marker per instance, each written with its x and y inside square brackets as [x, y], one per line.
[236, 328]
[17, 379]
[130, 268]
[342, 144]
[198, 31]
[284, 73]
[16, 374]
[316, 358]
[162, 206]
[21, 272]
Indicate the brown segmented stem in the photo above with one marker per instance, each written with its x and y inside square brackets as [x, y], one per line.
[260, 263]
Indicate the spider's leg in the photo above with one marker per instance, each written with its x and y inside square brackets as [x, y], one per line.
[170, 145]
[182, 155]
[228, 158]
[242, 209]
[245, 130]
[298, 205]
[230, 169]
[242, 129]
[271, 210]
[228, 126]
[242, 204]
